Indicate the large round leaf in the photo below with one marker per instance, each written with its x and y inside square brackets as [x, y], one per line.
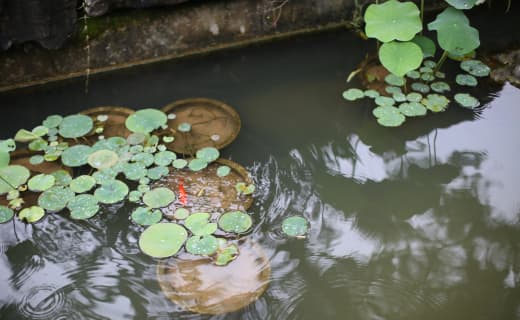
[32, 214]
[62, 177]
[83, 206]
[454, 33]
[235, 221]
[295, 226]
[158, 197]
[12, 177]
[427, 45]
[198, 224]
[76, 156]
[41, 182]
[134, 171]
[145, 216]
[400, 57]
[164, 158]
[392, 20]
[82, 183]
[75, 126]
[103, 159]
[146, 120]
[6, 214]
[56, 198]
[202, 245]
[162, 240]
[111, 192]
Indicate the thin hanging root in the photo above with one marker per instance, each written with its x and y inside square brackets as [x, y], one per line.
[87, 46]
[353, 74]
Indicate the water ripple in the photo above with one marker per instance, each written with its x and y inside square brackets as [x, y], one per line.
[45, 302]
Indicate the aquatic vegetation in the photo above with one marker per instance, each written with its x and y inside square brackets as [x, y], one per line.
[295, 226]
[235, 221]
[402, 52]
[162, 240]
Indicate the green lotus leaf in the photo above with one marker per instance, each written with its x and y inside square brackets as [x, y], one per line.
[144, 157]
[12, 177]
[145, 120]
[16, 203]
[226, 254]
[13, 194]
[52, 121]
[426, 70]
[40, 131]
[202, 245]
[197, 164]
[32, 214]
[136, 138]
[82, 184]
[75, 126]
[168, 139]
[462, 4]
[394, 80]
[135, 196]
[388, 116]
[371, 94]
[181, 213]
[393, 90]
[399, 97]
[25, 136]
[145, 216]
[400, 57]
[162, 240]
[62, 177]
[208, 154]
[463, 57]
[223, 171]
[83, 206]
[454, 33]
[466, 80]
[475, 67]
[466, 100]
[4, 158]
[111, 191]
[7, 145]
[55, 198]
[76, 156]
[38, 145]
[158, 197]
[427, 45]
[440, 86]
[235, 221]
[295, 226]
[353, 94]
[41, 182]
[198, 223]
[157, 173]
[136, 149]
[414, 74]
[392, 20]
[435, 102]
[143, 188]
[184, 127]
[427, 76]
[412, 109]
[420, 87]
[104, 175]
[164, 158]
[112, 144]
[102, 159]
[414, 97]
[384, 101]
[134, 171]
[6, 214]
[179, 163]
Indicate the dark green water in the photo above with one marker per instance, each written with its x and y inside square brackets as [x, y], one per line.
[420, 222]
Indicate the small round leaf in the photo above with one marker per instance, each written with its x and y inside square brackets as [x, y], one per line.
[162, 240]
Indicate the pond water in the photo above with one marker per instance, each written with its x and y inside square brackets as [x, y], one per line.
[419, 222]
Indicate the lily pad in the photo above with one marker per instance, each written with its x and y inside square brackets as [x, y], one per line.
[134, 196]
[32, 214]
[24, 135]
[475, 67]
[371, 94]
[55, 198]
[38, 145]
[295, 226]
[392, 20]
[466, 100]
[427, 45]
[145, 216]
[103, 159]
[179, 163]
[420, 87]
[52, 121]
[75, 126]
[12, 177]
[146, 120]
[198, 223]
[158, 197]
[353, 94]
[384, 101]
[399, 97]
[4, 159]
[454, 33]
[162, 240]
[226, 254]
[245, 189]
[41, 182]
[111, 191]
[207, 154]
[235, 221]
[414, 74]
[157, 173]
[104, 175]
[164, 158]
[184, 127]
[134, 171]
[466, 80]
[393, 90]
[440, 86]
[202, 245]
[82, 184]
[223, 171]
[83, 206]
[144, 157]
[76, 156]
[6, 214]
[435, 102]
[181, 213]
[412, 109]
[400, 57]
[394, 80]
[62, 177]
[388, 116]
[462, 4]
[197, 164]
[414, 97]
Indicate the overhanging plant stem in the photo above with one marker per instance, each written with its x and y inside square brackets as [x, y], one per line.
[441, 61]
[422, 12]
